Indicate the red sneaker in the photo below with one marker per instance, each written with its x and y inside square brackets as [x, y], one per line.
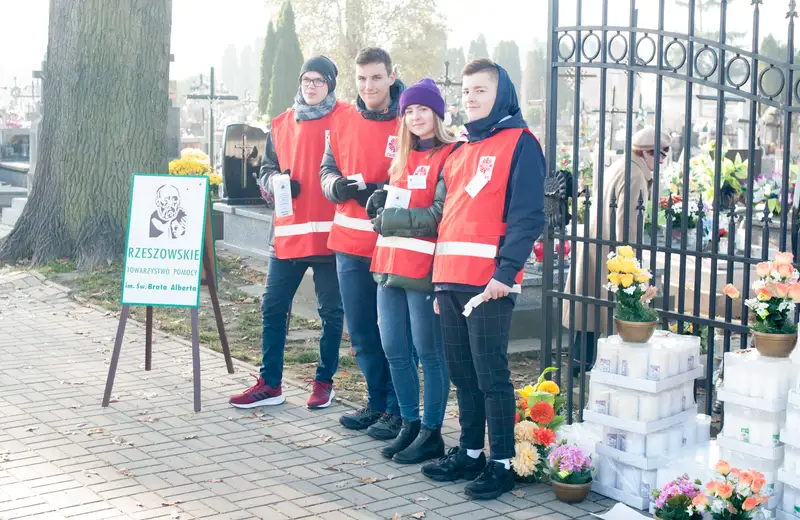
[258, 395]
[321, 395]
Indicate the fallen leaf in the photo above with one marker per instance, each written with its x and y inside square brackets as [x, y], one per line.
[94, 431]
[215, 480]
[389, 477]
[139, 505]
[171, 504]
[421, 514]
[368, 480]
[189, 437]
[126, 472]
[303, 444]
[420, 499]
[327, 438]
[81, 425]
[397, 516]
[32, 429]
[518, 493]
[358, 462]
[332, 468]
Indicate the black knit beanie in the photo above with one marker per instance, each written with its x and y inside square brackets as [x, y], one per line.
[324, 66]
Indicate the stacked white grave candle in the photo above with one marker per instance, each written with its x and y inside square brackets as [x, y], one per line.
[788, 475]
[643, 395]
[756, 393]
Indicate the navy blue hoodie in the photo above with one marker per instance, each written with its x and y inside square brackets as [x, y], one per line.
[524, 205]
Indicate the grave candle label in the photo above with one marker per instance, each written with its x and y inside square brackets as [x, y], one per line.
[166, 230]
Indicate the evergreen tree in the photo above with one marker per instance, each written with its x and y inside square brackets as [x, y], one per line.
[267, 62]
[506, 54]
[535, 75]
[477, 49]
[288, 61]
[457, 61]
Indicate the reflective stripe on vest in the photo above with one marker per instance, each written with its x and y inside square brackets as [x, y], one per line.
[358, 224]
[409, 244]
[302, 229]
[473, 249]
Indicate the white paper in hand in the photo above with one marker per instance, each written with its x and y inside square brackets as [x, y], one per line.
[282, 190]
[397, 197]
[478, 299]
[360, 179]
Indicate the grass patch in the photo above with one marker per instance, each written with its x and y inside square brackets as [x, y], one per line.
[57, 267]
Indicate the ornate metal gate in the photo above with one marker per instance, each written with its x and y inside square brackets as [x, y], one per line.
[732, 231]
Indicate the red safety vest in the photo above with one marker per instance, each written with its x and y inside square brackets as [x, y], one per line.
[366, 147]
[412, 257]
[472, 225]
[300, 147]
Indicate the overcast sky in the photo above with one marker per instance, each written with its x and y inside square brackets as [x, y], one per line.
[203, 28]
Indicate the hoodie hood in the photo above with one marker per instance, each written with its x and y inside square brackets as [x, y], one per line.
[394, 104]
[505, 112]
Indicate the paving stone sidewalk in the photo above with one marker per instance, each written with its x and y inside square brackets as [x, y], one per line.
[150, 456]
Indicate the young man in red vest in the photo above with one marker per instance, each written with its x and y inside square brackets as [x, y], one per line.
[363, 142]
[493, 212]
[302, 220]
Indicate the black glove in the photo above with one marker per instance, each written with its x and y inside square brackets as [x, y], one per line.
[377, 222]
[375, 202]
[362, 196]
[295, 188]
[345, 189]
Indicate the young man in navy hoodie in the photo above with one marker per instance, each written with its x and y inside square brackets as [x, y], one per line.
[493, 213]
[361, 146]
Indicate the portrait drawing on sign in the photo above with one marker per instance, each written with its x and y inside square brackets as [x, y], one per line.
[169, 219]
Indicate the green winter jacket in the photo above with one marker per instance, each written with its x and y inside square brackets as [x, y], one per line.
[411, 223]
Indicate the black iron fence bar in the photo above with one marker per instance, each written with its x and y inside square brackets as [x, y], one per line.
[550, 149]
[787, 129]
[657, 145]
[626, 214]
[751, 167]
[576, 143]
[764, 100]
[718, 156]
[681, 36]
[726, 345]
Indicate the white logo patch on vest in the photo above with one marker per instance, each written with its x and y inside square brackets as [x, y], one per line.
[391, 147]
[482, 176]
[419, 179]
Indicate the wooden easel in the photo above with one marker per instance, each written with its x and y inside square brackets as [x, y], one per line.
[208, 279]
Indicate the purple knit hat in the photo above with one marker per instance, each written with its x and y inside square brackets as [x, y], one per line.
[426, 93]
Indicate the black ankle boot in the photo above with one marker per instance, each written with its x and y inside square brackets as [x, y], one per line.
[428, 445]
[408, 432]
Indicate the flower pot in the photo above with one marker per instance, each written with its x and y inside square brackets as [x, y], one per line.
[635, 331]
[774, 345]
[571, 493]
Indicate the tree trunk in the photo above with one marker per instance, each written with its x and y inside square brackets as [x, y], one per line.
[105, 118]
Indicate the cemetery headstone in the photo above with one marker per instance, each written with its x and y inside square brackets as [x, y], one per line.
[243, 149]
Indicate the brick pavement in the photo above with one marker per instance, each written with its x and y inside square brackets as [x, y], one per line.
[150, 456]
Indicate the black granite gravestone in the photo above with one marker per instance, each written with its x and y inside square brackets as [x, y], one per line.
[243, 148]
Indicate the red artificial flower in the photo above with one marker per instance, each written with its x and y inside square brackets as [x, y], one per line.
[516, 418]
[542, 413]
[723, 232]
[544, 436]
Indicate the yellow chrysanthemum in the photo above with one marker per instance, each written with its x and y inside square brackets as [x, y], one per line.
[613, 279]
[525, 460]
[626, 280]
[550, 387]
[523, 431]
[625, 251]
[627, 265]
[613, 264]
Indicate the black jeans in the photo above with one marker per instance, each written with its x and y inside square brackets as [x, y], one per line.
[476, 350]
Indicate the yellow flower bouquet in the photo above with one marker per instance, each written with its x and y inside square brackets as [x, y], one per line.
[195, 162]
[629, 282]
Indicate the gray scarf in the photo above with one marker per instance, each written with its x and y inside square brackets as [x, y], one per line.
[305, 112]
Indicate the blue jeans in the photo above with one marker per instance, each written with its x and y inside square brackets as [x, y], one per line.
[396, 309]
[361, 311]
[283, 279]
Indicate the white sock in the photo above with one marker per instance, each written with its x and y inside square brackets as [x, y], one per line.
[474, 454]
[505, 462]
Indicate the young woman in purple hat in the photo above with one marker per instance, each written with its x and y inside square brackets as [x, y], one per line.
[406, 218]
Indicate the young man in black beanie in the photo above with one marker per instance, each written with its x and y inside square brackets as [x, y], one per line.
[302, 220]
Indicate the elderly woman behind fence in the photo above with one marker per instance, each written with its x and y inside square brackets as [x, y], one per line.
[642, 162]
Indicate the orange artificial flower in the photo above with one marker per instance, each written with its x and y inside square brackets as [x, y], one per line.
[758, 483]
[542, 413]
[763, 269]
[785, 270]
[746, 478]
[711, 487]
[522, 404]
[782, 258]
[750, 503]
[731, 291]
[700, 501]
[794, 292]
[724, 490]
[764, 294]
[544, 436]
[782, 290]
[723, 468]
